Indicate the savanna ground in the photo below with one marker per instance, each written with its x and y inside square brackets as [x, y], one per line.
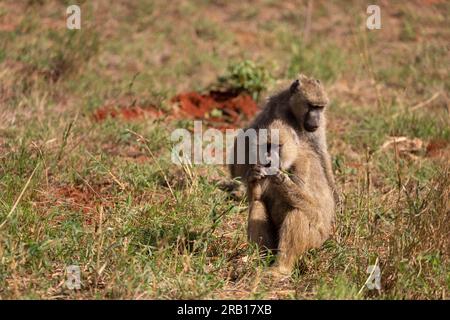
[104, 195]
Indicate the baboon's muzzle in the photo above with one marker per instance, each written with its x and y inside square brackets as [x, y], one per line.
[312, 121]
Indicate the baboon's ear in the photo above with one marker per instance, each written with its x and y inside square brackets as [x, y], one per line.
[294, 86]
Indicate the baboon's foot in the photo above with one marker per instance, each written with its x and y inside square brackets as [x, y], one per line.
[277, 274]
[283, 270]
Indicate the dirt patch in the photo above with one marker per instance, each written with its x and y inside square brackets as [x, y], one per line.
[76, 198]
[438, 148]
[129, 152]
[221, 109]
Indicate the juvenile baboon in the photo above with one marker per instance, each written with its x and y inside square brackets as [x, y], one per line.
[292, 210]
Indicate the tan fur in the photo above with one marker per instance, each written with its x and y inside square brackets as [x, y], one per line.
[292, 211]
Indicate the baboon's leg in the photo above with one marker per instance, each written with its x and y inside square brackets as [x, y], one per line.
[260, 229]
[293, 241]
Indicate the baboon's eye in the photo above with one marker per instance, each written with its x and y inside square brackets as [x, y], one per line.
[315, 107]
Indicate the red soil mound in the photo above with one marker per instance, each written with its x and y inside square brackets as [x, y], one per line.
[224, 109]
[220, 109]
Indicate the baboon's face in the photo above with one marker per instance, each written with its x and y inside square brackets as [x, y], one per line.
[307, 115]
[313, 117]
[307, 103]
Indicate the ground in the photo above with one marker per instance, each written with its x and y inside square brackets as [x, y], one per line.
[85, 171]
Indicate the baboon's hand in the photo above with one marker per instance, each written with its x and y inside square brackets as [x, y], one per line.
[256, 173]
[279, 177]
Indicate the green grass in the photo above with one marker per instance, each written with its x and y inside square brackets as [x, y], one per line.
[100, 198]
[325, 62]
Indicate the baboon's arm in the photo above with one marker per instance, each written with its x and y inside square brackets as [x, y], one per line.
[295, 194]
[328, 168]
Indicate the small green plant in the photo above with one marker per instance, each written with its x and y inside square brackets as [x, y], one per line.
[246, 76]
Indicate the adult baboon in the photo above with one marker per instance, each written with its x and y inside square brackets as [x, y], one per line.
[292, 210]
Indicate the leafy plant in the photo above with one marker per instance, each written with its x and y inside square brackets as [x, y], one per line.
[246, 76]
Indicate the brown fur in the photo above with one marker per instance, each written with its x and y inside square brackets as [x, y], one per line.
[294, 210]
